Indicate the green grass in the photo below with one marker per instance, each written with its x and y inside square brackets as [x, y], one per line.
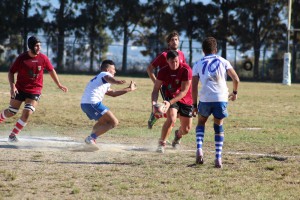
[263, 125]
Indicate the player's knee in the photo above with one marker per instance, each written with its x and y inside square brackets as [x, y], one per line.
[185, 130]
[115, 123]
[29, 107]
[172, 120]
[11, 111]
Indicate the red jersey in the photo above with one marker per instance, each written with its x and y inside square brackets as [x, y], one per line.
[30, 72]
[161, 59]
[172, 81]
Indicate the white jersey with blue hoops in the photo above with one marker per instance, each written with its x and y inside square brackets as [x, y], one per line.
[212, 72]
[96, 89]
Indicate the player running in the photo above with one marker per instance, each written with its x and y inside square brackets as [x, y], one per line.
[212, 71]
[91, 101]
[161, 61]
[176, 77]
[30, 67]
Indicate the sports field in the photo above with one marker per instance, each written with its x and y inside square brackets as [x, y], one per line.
[261, 154]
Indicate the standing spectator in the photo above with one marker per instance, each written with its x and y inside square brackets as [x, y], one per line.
[30, 67]
[212, 71]
[160, 61]
[176, 77]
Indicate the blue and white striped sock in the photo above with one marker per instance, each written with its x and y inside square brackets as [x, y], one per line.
[219, 140]
[200, 136]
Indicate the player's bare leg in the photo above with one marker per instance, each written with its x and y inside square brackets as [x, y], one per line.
[14, 106]
[167, 129]
[185, 127]
[105, 123]
[29, 108]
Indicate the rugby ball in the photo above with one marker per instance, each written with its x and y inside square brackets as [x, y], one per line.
[160, 108]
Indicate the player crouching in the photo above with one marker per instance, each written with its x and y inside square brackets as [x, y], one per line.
[91, 101]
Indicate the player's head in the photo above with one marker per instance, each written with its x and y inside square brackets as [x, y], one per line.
[173, 59]
[173, 40]
[34, 44]
[108, 66]
[209, 45]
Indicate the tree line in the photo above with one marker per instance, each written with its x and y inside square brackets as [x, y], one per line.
[245, 25]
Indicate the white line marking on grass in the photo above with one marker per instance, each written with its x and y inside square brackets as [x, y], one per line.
[251, 154]
[37, 139]
[252, 128]
[67, 143]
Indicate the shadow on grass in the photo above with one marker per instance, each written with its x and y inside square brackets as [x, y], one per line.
[71, 162]
[267, 157]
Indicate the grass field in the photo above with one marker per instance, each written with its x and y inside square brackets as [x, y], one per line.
[261, 154]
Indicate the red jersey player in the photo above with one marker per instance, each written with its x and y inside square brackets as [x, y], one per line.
[176, 77]
[160, 61]
[30, 67]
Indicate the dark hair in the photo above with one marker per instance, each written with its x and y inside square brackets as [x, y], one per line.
[32, 41]
[105, 64]
[209, 45]
[172, 54]
[171, 35]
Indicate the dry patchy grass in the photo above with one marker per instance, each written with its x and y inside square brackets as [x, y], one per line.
[263, 127]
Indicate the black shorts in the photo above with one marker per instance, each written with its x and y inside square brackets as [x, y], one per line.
[21, 96]
[183, 109]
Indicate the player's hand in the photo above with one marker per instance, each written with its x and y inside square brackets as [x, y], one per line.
[167, 105]
[13, 92]
[232, 97]
[195, 112]
[132, 86]
[120, 82]
[63, 88]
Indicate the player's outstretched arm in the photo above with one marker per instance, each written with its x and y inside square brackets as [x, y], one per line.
[54, 77]
[112, 80]
[115, 93]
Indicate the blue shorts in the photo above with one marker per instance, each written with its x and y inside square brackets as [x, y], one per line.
[218, 109]
[94, 111]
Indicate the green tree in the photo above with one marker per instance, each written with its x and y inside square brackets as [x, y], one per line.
[259, 21]
[156, 24]
[124, 19]
[16, 22]
[295, 36]
[195, 20]
[60, 28]
[224, 22]
[92, 22]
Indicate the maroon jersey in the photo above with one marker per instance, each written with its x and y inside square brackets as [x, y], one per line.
[172, 81]
[161, 59]
[30, 72]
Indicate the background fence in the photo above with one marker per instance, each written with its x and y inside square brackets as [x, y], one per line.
[270, 61]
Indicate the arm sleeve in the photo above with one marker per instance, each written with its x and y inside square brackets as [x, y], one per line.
[228, 65]
[48, 66]
[158, 61]
[15, 66]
